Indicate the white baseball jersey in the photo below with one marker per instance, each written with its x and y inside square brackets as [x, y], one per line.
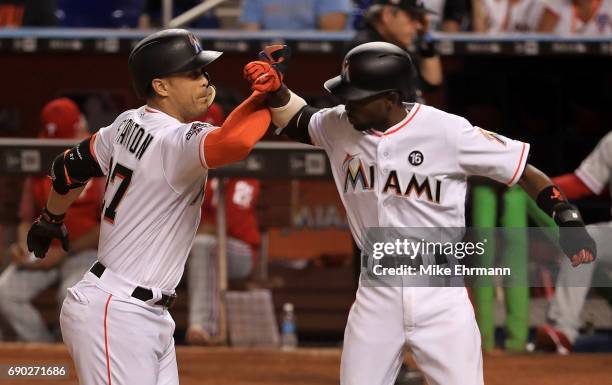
[156, 173]
[512, 16]
[414, 174]
[595, 170]
[599, 22]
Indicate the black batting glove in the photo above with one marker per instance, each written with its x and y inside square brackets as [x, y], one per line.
[573, 236]
[44, 229]
[277, 55]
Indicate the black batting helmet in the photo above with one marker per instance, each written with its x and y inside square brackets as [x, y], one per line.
[374, 68]
[165, 53]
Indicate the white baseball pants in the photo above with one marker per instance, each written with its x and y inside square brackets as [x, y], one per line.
[436, 324]
[115, 339]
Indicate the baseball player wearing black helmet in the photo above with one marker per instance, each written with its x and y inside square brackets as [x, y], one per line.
[115, 321]
[401, 164]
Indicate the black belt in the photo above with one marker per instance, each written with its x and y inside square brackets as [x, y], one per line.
[139, 292]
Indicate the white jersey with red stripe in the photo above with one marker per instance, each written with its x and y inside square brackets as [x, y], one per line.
[599, 21]
[512, 16]
[156, 173]
[414, 174]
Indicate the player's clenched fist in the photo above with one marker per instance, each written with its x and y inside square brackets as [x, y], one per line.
[44, 229]
[262, 76]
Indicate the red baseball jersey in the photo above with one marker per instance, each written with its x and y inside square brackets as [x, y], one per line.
[241, 197]
[82, 216]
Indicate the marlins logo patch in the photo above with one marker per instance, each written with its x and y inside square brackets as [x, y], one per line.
[492, 136]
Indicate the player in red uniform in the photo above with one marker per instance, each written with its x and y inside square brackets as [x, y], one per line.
[27, 276]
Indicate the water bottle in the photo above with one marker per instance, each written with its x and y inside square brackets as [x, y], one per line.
[288, 333]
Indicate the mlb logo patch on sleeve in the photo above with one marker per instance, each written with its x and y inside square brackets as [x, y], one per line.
[195, 129]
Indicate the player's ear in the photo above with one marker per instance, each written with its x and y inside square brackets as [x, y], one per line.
[160, 86]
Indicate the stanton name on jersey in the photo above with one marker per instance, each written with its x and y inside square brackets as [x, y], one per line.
[130, 135]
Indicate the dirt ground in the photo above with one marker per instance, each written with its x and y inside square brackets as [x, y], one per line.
[228, 366]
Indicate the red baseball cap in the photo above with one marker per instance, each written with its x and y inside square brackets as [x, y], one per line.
[60, 119]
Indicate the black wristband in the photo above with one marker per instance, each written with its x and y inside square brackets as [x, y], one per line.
[52, 218]
[549, 198]
[567, 215]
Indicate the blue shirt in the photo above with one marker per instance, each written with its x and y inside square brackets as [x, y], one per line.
[291, 14]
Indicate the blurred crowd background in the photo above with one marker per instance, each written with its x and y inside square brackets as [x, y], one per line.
[483, 16]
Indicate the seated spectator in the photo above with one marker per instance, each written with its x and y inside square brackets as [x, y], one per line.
[325, 15]
[446, 16]
[243, 240]
[506, 16]
[449, 16]
[579, 17]
[27, 13]
[27, 276]
[404, 23]
[152, 12]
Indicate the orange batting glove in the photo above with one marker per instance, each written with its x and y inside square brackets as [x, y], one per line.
[262, 76]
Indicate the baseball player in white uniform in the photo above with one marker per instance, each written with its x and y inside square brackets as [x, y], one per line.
[591, 178]
[115, 321]
[577, 17]
[402, 164]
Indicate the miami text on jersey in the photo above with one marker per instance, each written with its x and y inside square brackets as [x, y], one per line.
[355, 176]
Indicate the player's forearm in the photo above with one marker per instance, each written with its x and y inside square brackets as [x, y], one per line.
[242, 129]
[533, 181]
[549, 197]
[291, 114]
[87, 241]
[58, 204]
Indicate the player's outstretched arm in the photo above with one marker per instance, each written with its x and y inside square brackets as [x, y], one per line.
[290, 113]
[574, 240]
[237, 136]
